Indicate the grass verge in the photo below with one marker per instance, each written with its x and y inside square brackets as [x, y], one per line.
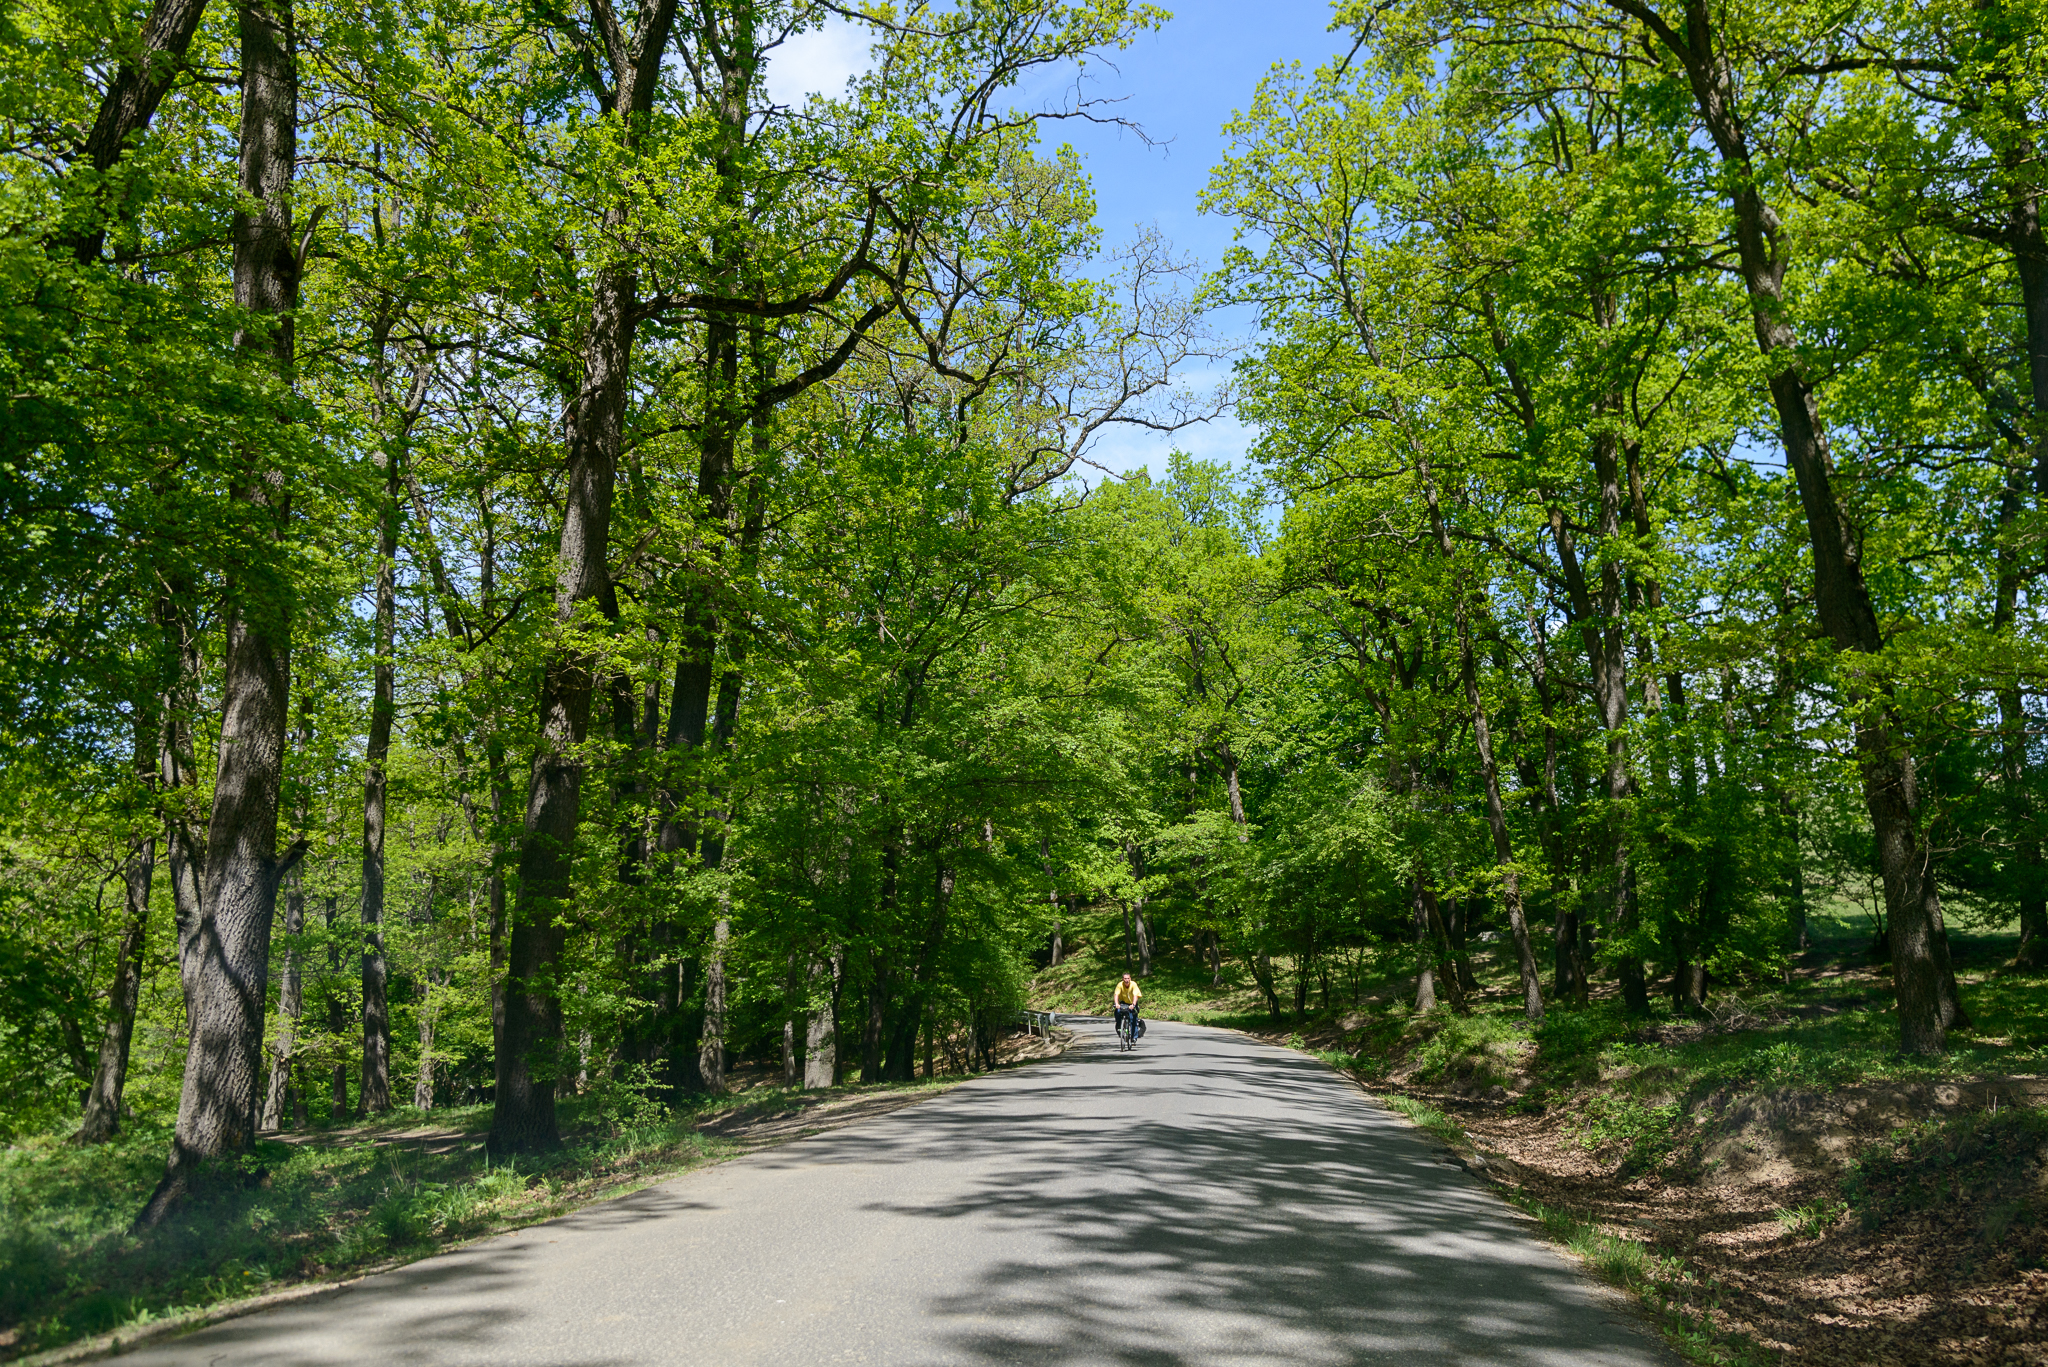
[328, 1206]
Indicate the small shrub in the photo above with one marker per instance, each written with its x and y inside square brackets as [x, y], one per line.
[1570, 1042]
[631, 1102]
[1645, 1128]
[1471, 1051]
[1813, 1219]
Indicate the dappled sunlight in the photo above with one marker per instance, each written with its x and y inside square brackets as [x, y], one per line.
[1206, 1199]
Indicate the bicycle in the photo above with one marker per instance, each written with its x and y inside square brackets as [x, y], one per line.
[1127, 1031]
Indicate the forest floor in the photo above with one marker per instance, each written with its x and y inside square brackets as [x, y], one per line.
[1772, 1179]
[321, 1205]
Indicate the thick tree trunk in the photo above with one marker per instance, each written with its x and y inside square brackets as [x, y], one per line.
[1262, 974]
[529, 1045]
[2030, 256]
[102, 1117]
[1927, 998]
[376, 1088]
[218, 1106]
[1568, 977]
[711, 1052]
[821, 1034]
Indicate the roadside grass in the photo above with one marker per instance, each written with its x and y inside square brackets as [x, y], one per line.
[330, 1204]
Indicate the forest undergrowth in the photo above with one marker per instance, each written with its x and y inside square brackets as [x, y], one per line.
[1771, 1179]
[330, 1202]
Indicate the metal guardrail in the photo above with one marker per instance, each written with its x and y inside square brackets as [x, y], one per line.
[1039, 1022]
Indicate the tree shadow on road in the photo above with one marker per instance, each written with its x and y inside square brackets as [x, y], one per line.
[1275, 1215]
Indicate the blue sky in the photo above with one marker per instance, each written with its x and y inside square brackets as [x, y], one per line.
[1181, 85]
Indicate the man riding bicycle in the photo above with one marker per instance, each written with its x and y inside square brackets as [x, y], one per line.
[1126, 1002]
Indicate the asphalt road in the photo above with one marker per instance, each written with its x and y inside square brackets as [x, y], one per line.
[1204, 1200]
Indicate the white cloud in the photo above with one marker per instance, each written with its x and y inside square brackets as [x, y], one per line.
[819, 62]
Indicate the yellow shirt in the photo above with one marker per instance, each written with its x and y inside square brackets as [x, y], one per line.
[1127, 994]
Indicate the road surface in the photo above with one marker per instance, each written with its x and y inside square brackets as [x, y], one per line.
[1204, 1200]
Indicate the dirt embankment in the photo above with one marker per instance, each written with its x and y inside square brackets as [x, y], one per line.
[1880, 1223]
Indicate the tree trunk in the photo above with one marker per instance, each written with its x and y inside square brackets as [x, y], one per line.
[1136, 932]
[1260, 961]
[529, 1046]
[1425, 972]
[1262, 973]
[140, 83]
[1568, 981]
[102, 1115]
[218, 1106]
[1482, 735]
[1461, 956]
[1052, 896]
[423, 1088]
[291, 1004]
[903, 1038]
[337, 1019]
[711, 1054]
[1929, 1005]
[1433, 923]
[1598, 618]
[821, 1064]
[376, 1088]
[2029, 247]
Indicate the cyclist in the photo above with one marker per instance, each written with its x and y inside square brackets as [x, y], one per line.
[1127, 995]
